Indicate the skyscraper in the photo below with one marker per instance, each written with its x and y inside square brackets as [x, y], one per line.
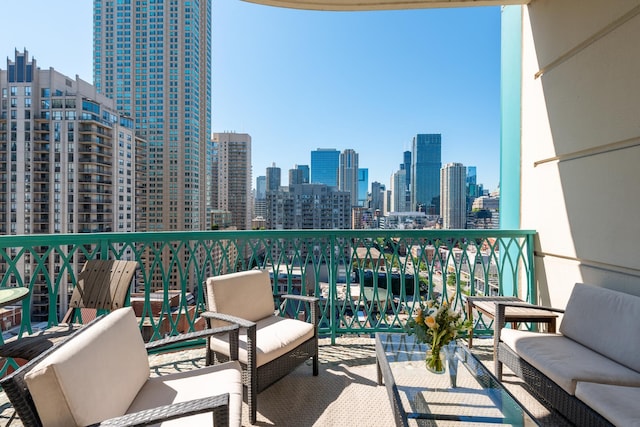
[377, 197]
[296, 176]
[68, 166]
[261, 187]
[426, 161]
[453, 195]
[398, 189]
[472, 186]
[305, 173]
[234, 177]
[363, 186]
[324, 166]
[274, 178]
[406, 165]
[260, 203]
[308, 206]
[348, 174]
[153, 57]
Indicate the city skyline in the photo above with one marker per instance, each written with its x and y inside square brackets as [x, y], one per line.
[295, 87]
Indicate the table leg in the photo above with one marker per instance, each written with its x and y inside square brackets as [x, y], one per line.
[470, 316]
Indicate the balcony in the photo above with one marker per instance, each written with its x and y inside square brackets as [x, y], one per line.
[366, 280]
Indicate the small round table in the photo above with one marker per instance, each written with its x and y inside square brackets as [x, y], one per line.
[9, 296]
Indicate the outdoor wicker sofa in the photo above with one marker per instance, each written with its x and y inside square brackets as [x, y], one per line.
[270, 346]
[100, 375]
[590, 371]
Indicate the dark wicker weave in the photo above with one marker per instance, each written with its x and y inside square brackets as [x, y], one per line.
[16, 389]
[548, 392]
[218, 404]
[256, 379]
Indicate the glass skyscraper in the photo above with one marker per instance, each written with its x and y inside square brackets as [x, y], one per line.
[305, 173]
[406, 165]
[324, 166]
[363, 186]
[426, 161]
[153, 57]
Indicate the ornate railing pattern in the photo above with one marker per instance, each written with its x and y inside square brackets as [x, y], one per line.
[368, 281]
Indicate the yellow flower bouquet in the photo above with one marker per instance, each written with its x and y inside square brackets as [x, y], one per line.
[436, 324]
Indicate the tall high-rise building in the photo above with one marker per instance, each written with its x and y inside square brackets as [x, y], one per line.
[324, 166]
[363, 186]
[153, 57]
[472, 186]
[274, 178]
[305, 173]
[399, 189]
[308, 206]
[296, 176]
[68, 165]
[260, 203]
[377, 197]
[261, 187]
[234, 177]
[406, 165]
[348, 174]
[426, 161]
[453, 195]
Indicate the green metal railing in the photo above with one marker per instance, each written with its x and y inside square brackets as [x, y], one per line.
[368, 281]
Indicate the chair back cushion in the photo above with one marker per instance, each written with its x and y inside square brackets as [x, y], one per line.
[605, 321]
[94, 376]
[246, 294]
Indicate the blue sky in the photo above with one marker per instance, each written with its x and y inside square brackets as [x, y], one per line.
[300, 80]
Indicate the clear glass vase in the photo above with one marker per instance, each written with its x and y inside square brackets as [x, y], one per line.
[435, 361]
[449, 352]
[443, 359]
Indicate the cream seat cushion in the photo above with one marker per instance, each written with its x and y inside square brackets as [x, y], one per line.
[194, 384]
[93, 377]
[618, 404]
[275, 336]
[565, 361]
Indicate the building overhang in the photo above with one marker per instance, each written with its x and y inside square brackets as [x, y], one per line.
[362, 5]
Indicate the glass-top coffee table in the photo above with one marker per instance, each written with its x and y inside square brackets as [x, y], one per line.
[428, 399]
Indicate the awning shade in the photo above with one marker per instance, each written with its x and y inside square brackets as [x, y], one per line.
[355, 5]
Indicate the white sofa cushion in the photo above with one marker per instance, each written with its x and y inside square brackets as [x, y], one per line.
[93, 377]
[274, 337]
[565, 361]
[605, 321]
[246, 294]
[194, 384]
[618, 404]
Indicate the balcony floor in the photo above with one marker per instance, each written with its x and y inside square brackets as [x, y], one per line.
[345, 392]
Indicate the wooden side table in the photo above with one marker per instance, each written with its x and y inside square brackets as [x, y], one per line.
[514, 315]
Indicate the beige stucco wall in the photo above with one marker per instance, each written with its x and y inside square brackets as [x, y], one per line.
[581, 143]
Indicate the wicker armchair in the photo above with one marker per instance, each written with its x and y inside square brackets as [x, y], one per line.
[100, 376]
[270, 346]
